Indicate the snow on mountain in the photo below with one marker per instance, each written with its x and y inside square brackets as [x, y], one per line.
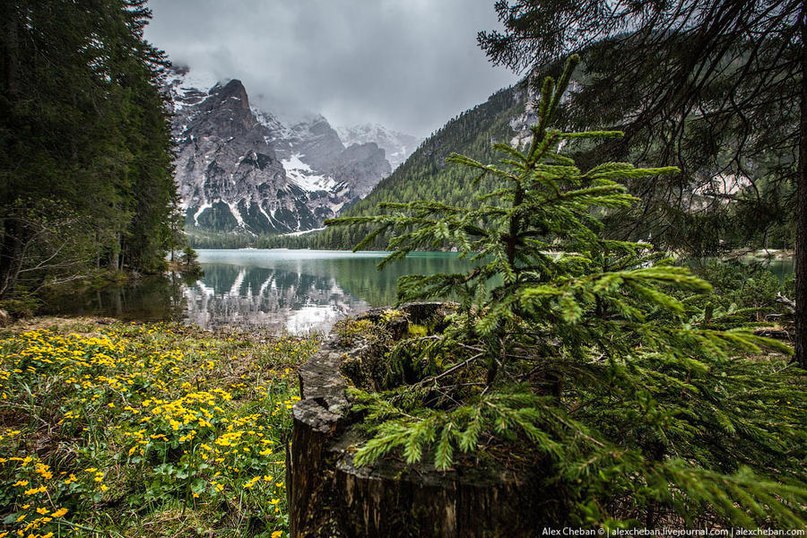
[240, 169]
[305, 178]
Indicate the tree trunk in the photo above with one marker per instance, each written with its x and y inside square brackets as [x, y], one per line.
[11, 245]
[12, 51]
[329, 496]
[801, 213]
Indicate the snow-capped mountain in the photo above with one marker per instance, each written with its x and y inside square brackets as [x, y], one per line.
[398, 146]
[240, 169]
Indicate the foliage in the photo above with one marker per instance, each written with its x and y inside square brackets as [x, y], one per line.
[189, 263]
[85, 146]
[586, 356]
[706, 84]
[746, 290]
[144, 430]
[716, 86]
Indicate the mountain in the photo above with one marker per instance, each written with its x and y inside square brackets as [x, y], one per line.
[242, 171]
[425, 176]
[398, 146]
[314, 142]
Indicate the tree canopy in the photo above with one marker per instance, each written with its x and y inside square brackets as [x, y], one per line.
[85, 146]
[715, 87]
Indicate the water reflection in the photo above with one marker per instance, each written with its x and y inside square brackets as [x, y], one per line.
[294, 291]
[282, 301]
[146, 299]
[297, 291]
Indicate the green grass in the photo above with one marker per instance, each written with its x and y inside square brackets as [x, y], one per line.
[144, 430]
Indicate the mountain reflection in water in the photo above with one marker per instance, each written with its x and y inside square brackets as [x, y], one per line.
[284, 291]
[280, 300]
[297, 291]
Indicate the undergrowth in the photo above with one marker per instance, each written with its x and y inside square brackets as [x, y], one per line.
[144, 430]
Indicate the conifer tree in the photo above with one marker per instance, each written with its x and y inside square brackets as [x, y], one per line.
[716, 86]
[83, 127]
[589, 352]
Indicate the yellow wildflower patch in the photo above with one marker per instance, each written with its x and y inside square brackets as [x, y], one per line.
[156, 415]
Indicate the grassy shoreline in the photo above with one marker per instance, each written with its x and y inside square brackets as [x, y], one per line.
[122, 429]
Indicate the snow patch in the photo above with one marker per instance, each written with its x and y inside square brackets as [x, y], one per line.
[265, 214]
[236, 213]
[199, 212]
[305, 178]
[306, 231]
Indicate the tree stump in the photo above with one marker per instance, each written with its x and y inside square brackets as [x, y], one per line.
[329, 496]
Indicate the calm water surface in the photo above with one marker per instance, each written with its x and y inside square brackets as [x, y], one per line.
[285, 291]
[294, 291]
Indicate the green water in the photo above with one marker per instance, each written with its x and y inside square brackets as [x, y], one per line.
[296, 291]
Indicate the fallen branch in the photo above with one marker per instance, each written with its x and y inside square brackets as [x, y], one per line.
[790, 304]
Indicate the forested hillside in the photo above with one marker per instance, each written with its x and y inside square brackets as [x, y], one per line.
[85, 162]
[734, 189]
[425, 174]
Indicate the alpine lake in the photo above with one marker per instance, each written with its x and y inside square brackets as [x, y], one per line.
[283, 291]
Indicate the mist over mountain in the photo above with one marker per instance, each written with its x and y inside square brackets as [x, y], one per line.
[398, 146]
[242, 170]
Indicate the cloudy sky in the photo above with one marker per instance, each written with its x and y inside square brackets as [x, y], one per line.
[407, 64]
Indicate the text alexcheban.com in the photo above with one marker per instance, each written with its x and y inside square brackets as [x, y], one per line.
[668, 531]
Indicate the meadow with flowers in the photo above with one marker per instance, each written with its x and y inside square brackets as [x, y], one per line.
[116, 429]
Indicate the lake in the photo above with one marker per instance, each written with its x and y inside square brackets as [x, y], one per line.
[285, 291]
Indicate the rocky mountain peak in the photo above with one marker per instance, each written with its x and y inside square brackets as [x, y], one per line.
[361, 164]
[317, 142]
[240, 169]
[233, 93]
[226, 111]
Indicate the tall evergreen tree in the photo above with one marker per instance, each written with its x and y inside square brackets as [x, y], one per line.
[593, 359]
[83, 127]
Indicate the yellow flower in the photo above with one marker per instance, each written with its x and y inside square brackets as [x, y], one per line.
[60, 512]
[252, 482]
[276, 534]
[44, 471]
[42, 511]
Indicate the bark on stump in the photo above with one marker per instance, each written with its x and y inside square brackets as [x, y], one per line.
[329, 496]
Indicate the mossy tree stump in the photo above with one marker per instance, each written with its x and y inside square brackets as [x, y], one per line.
[329, 496]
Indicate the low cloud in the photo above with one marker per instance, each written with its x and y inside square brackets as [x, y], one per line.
[407, 64]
